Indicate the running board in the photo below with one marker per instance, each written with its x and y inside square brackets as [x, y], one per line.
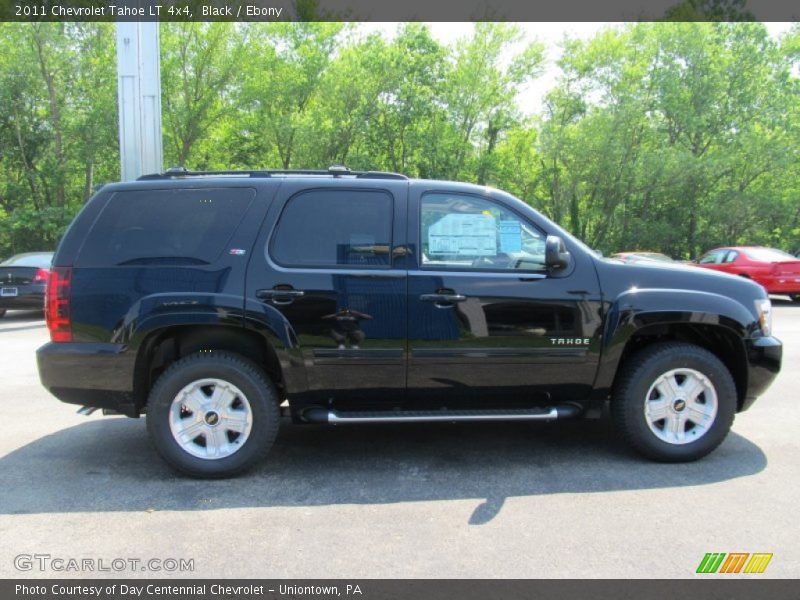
[321, 415]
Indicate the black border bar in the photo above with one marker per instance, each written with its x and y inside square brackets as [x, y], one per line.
[711, 588]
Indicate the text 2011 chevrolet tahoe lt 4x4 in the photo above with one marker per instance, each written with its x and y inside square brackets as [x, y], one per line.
[215, 302]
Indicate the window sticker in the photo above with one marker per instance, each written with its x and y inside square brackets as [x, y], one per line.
[510, 236]
[463, 235]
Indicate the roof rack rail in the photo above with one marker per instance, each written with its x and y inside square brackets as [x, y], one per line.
[334, 170]
[181, 172]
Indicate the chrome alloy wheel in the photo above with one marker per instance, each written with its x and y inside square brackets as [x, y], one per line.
[681, 406]
[210, 418]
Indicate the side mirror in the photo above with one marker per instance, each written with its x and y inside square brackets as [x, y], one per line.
[555, 253]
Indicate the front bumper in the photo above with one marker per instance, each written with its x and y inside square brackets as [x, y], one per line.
[763, 365]
[89, 374]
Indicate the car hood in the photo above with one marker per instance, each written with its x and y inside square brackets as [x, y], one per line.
[617, 278]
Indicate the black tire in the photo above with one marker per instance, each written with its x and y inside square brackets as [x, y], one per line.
[630, 394]
[794, 297]
[231, 368]
[2, 312]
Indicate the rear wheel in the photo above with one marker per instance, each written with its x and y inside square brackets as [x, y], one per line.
[674, 402]
[213, 415]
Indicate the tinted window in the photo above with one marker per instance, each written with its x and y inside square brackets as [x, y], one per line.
[324, 228]
[179, 227]
[466, 232]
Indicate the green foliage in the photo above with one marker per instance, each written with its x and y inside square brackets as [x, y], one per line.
[58, 126]
[674, 137]
[658, 136]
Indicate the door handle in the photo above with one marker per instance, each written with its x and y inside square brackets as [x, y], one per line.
[443, 300]
[279, 297]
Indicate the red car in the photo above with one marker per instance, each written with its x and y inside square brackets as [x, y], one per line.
[776, 270]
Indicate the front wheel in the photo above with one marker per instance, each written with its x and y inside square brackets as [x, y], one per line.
[213, 415]
[674, 402]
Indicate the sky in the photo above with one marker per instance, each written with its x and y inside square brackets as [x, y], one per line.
[531, 96]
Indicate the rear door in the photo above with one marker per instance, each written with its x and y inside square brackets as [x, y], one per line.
[331, 261]
[489, 327]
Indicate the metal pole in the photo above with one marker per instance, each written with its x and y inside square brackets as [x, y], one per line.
[139, 99]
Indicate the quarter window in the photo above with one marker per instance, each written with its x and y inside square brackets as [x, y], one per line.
[466, 232]
[335, 228]
[731, 256]
[165, 227]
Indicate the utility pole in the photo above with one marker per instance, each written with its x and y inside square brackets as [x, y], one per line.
[139, 99]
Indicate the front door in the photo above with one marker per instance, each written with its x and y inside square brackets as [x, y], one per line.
[332, 270]
[489, 326]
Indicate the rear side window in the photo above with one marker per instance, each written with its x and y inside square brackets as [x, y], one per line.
[330, 228]
[169, 227]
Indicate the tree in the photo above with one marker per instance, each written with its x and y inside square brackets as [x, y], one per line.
[287, 64]
[199, 66]
[658, 132]
[663, 136]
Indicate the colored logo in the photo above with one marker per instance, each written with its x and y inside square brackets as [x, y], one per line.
[734, 562]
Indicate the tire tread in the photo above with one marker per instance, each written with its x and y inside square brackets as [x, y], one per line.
[629, 377]
[250, 369]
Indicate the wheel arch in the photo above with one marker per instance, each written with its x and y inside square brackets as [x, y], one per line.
[722, 342]
[162, 347]
[639, 318]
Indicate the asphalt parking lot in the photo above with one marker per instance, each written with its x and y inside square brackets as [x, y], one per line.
[435, 500]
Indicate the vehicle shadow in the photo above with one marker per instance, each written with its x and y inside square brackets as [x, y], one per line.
[109, 465]
[783, 301]
[20, 320]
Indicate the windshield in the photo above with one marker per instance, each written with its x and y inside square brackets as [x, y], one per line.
[768, 254]
[654, 256]
[41, 261]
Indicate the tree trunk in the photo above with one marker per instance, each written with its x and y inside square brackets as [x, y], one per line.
[88, 180]
[491, 133]
[30, 175]
[55, 115]
[186, 148]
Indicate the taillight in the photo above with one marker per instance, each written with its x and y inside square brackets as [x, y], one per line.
[41, 276]
[56, 305]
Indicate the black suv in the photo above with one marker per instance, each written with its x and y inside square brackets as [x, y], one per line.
[216, 302]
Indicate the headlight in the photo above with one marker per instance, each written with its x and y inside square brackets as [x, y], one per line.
[764, 310]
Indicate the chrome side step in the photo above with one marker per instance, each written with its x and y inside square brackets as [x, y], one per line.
[447, 416]
[320, 415]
